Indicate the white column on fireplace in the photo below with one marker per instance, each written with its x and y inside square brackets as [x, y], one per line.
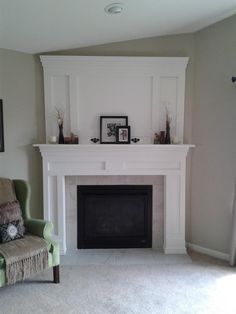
[109, 160]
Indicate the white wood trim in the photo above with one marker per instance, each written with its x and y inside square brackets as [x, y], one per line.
[85, 96]
[174, 218]
[74, 110]
[47, 60]
[207, 251]
[61, 203]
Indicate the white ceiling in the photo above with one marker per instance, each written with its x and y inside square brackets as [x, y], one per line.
[35, 26]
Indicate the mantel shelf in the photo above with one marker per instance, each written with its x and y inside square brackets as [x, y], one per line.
[70, 147]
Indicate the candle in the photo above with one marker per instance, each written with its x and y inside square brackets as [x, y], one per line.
[176, 140]
[52, 139]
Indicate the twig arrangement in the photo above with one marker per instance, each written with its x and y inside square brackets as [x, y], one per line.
[60, 116]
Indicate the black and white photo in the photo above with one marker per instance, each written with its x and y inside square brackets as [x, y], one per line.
[123, 135]
[108, 128]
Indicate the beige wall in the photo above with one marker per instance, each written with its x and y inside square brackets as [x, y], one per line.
[1, 72]
[21, 122]
[214, 133]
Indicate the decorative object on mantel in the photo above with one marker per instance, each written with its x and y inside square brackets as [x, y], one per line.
[176, 140]
[123, 134]
[162, 137]
[167, 137]
[1, 128]
[52, 139]
[135, 140]
[60, 121]
[61, 139]
[94, 140]
[72, 139]
[108, 126]
[156, 138]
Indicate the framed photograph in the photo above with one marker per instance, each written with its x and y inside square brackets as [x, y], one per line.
[123, 134]
[108, 125]
[1, 128]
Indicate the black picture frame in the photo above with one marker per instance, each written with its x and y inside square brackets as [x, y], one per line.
[2, 148]
[123, 134]
[108, 126]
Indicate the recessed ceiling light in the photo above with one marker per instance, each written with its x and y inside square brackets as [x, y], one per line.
[114, 8]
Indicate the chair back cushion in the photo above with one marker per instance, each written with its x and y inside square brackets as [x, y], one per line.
[7, 191]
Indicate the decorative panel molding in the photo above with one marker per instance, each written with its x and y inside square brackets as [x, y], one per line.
[139, 87]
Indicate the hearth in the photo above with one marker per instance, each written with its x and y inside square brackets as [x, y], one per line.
[114, 216]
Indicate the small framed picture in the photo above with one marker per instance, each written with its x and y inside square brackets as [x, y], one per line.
[108, 125]
[123, 134]
[1, 128]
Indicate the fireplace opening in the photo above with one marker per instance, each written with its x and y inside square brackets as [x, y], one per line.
[114, 216]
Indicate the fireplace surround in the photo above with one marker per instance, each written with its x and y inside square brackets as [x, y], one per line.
[61, 161]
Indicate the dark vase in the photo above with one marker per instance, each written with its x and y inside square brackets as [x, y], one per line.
[61, 139]
[162, 137]
[167, 139]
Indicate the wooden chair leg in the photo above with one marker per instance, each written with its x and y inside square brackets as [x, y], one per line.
[56, 274]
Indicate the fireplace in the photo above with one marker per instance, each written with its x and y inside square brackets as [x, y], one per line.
[61, 161]
[158, 81]
[114, 216]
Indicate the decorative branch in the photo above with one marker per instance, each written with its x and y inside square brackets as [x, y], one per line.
[60, 116]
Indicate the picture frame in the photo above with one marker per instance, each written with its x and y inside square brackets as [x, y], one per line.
[123, 134]
[2, 148]
[108, 125]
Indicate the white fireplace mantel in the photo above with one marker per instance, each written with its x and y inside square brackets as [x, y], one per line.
[108, 160]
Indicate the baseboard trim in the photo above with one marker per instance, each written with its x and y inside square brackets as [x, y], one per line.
[175, 251]
[207, 251]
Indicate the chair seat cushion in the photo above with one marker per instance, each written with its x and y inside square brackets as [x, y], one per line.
[2, 260]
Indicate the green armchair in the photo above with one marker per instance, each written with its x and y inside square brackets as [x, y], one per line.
[36, 227]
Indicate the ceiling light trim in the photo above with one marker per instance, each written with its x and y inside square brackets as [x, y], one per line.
[114, 8]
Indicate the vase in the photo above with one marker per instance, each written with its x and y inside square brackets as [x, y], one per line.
[167, 138]
[61, 139]
[162, 137]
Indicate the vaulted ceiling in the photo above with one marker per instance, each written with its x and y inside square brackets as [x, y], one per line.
[35, 26]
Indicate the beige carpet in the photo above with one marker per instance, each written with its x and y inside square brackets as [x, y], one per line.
[163, 285]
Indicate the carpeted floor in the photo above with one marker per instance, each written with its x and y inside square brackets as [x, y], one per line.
[127, 282]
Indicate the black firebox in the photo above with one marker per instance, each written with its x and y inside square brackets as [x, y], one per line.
[114, 216]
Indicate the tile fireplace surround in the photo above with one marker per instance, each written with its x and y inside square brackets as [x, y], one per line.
[61, 161]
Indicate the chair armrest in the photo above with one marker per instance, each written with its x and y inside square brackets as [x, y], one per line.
[39, 227]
